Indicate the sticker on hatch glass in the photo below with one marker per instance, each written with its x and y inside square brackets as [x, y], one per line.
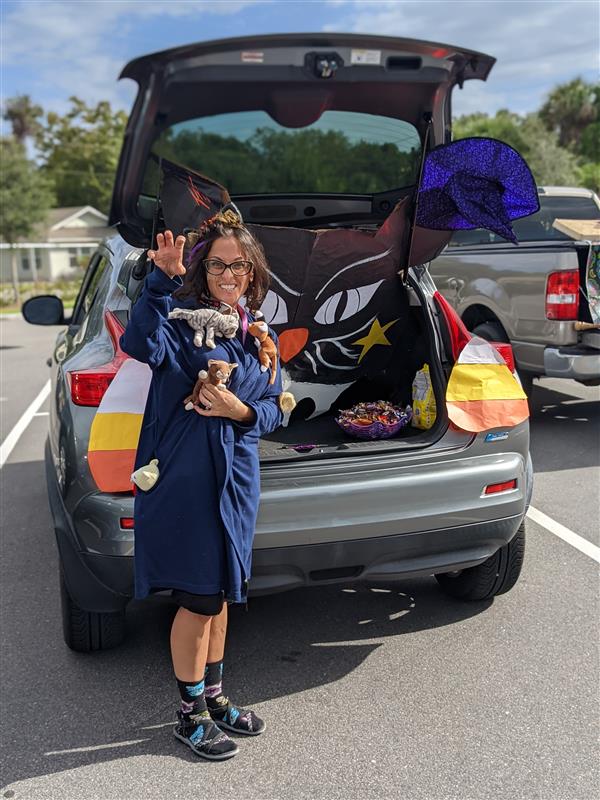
[249, 57]
[496, 437]
[365, 57]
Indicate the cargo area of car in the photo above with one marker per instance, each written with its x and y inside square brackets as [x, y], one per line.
[307, 435]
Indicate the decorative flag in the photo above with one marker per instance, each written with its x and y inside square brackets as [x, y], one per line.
[482, 392]
[116, 427]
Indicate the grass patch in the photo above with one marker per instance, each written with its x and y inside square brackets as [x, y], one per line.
[66, 290]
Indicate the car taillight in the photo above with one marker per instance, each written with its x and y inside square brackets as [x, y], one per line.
[459, 335]
[506, 351]
[88, 385]
[562, 295]
[126, 523]
[494, 488]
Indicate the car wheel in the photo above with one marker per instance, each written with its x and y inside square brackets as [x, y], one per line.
[497, 575]
[86, 631]
[492, 331]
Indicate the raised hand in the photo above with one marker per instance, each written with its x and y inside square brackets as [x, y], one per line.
[169, 256]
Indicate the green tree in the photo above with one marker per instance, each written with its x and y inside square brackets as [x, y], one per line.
[302, 161]
[550, 163]
[23, 115]
[25, 198]
[80, 152]
[569, 109]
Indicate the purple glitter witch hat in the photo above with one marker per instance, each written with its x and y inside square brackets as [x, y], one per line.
[476, 183]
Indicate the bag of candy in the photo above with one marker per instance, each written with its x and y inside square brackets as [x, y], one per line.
[423, 404]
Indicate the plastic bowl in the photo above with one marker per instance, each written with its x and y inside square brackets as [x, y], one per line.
[376, 430]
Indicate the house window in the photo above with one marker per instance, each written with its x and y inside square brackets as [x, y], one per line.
[26, 260]
[79, 255]
[73, 257]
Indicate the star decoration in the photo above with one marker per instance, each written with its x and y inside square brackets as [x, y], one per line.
[376, 335]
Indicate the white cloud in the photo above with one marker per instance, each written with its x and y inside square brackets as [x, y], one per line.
[537, 44]
[73, 46]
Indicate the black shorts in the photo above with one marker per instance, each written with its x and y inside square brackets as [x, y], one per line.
[207, 604]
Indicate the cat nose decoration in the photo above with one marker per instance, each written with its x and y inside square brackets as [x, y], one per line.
[291, 342]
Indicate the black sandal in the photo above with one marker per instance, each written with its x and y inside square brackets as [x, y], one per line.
[236, 719]
[203, 737]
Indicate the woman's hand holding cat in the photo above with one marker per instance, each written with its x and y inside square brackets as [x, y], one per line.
[169, 256]
[223, 403]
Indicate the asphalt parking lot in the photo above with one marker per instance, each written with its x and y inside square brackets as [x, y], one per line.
[371, 692]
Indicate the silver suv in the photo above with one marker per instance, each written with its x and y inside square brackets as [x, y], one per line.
[320, 131]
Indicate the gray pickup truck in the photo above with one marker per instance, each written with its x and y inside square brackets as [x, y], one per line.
[530, 295]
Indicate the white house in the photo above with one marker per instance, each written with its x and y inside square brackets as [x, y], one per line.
[55, 248]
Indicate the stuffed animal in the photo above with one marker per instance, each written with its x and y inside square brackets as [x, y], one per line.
[218, 374]
[145, 477]
[267, 351]
[207, 321]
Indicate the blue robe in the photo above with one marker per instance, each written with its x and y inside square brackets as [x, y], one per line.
[194, 528]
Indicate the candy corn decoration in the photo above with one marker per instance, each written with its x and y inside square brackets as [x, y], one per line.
[482, 392]
[116, 427]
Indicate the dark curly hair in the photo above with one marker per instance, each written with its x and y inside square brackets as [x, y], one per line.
[199, 243]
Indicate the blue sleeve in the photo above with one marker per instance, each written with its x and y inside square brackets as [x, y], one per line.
[146, 338]
[267, 414]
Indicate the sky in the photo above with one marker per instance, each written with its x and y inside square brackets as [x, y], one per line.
[53, 49]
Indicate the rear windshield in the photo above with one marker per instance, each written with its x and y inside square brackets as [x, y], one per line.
[342, 152]
[537, 227]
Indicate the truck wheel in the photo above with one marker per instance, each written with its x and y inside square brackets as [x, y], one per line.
[86, 631]
[497, 575]
[492, 331]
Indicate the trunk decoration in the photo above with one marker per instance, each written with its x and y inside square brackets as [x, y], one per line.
[116, 427]
[482, 392]
[336, 301]
[476, 183]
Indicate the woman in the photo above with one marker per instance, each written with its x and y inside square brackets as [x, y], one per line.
[194, 527]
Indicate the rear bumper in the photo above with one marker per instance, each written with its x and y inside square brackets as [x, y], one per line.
[379, 560]
[331, 525]
[105, 583]
[578, 363]
[97, 583]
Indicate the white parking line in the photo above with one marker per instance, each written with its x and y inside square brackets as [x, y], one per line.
[574, 539]
[13, 437]
[95, 747]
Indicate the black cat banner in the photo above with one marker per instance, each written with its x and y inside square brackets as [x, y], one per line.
[336, 300]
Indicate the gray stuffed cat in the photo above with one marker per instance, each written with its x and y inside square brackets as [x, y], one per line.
[209, 322]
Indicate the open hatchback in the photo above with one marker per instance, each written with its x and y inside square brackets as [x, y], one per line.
[318, 140]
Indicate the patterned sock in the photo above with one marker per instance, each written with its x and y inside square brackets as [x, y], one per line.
[193, 701]
[222, 710]
[215, 699]
[213, 678]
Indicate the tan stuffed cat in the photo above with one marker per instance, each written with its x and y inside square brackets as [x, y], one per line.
[267, 351]
[218, 374]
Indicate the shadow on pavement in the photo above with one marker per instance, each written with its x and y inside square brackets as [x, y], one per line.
[565, 431]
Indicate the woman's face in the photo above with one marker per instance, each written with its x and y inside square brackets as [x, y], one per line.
[228, 288]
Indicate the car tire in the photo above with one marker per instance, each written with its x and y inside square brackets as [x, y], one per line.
[88, 631]
[496, 575]
[492, 331]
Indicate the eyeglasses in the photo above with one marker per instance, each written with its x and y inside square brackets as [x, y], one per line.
[217, 267]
